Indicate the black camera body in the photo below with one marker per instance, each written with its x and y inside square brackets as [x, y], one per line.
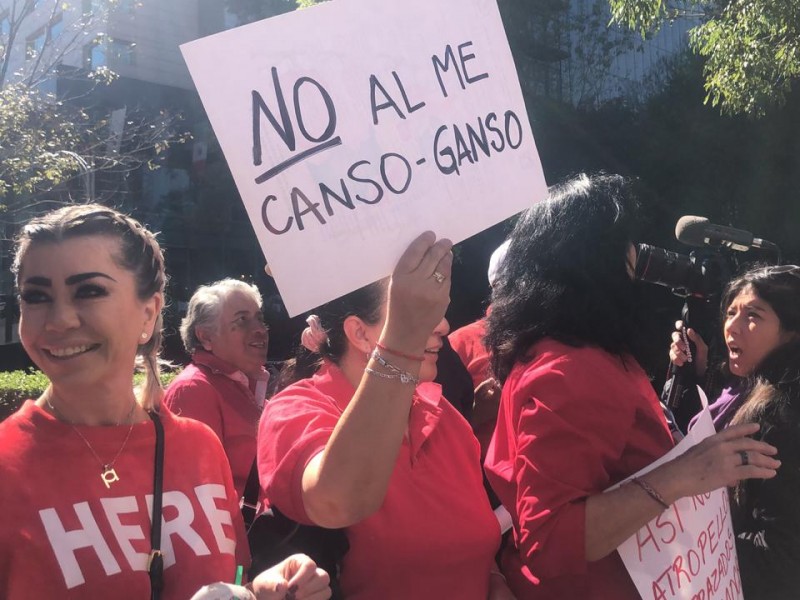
[699, 278]
[702, 274]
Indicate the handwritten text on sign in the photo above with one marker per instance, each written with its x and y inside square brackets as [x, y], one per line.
[352, 127]
[707, 567]
[688, 552]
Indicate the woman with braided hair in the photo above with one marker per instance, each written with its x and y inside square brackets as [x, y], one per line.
[80, 465]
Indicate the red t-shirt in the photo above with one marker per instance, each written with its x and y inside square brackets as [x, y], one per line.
[64, 534]
[206, 391]
[467, 341]
[434, 536]
[572, 422]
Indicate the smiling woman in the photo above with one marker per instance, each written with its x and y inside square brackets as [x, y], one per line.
[80, 311]
[80, 481]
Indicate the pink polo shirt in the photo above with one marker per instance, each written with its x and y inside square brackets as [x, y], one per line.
[213, 392]
[435, 535]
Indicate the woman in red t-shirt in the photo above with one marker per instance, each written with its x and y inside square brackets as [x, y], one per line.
[368, 444]
[77, 464]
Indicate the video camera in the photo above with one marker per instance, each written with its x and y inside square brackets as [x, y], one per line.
[698, 277]
[701, 274]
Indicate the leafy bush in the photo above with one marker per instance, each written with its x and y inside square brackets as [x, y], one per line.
[18, 386]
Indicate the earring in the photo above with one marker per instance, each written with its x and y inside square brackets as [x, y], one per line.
[144, 335]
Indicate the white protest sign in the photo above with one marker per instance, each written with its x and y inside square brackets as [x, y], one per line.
[352, 127]
[688, 551]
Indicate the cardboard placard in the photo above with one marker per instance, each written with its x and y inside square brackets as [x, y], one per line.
[352, 127]
[688, 552]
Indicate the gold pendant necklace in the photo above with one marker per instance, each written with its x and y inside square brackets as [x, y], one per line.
[108, 474]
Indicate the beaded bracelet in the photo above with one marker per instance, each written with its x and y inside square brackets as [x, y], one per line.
[413, 357]
[651, 491]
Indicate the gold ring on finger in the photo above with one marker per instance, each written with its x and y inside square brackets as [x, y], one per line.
[438, 277]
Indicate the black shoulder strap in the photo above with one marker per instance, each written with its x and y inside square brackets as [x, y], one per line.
[249, 502]
[155, 563]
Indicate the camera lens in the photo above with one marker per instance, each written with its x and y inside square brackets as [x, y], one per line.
[671, 269]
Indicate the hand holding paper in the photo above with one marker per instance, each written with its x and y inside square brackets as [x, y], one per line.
[419, 293]
[691, 545]
[717, 462]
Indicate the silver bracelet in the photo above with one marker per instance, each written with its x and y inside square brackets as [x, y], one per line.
[402, 376]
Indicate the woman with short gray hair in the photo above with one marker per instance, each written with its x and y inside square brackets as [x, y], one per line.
[225, 384]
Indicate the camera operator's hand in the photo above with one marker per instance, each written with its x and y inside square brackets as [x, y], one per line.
[678, 352]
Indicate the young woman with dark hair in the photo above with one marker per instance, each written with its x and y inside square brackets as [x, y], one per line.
[578, 413]
[759, 311]
[367, 443]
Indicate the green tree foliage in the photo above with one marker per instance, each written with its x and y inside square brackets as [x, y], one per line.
[18, 386]
[36, 152]
[751, 47]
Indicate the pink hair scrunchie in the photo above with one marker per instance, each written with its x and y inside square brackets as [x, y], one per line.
[314, 335]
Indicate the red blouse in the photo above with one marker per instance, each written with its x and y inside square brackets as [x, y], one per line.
[434, 536]
[572, 422]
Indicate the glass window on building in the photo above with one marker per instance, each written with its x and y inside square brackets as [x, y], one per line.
[120, 6]
[90, 6]
[94, 56]
[35, 44]
[109, 53]
[126, 6]
[121, 52]
[56, 27]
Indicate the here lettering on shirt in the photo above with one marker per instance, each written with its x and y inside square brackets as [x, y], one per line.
[194, 524]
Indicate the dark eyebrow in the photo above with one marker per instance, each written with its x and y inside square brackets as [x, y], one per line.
[73, 279]
[754, 307]
[43, 281]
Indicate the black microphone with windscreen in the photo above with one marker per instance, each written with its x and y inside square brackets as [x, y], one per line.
[698, 232]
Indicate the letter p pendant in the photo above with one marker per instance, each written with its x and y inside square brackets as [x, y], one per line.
[109, 475]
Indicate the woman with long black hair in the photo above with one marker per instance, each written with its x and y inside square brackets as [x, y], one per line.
[578, 413]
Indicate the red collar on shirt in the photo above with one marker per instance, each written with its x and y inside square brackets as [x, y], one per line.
[219, 366]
